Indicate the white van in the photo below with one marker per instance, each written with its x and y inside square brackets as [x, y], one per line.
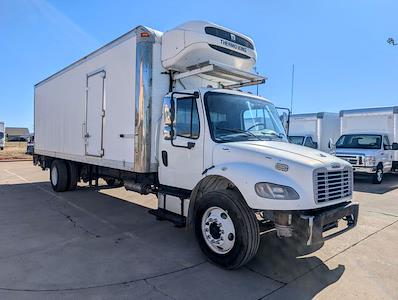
[369, 140]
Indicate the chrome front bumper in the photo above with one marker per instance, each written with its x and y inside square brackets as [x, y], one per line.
[315, 223]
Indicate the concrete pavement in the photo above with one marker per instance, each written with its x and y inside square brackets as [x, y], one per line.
[102, 244]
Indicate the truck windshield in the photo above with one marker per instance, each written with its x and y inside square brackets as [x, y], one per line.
[297, 139]
[361, 141]
[242, 118]
[1, 135]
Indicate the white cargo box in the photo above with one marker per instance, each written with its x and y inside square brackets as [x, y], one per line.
[319, 126]
[383, 120]
[91, 111]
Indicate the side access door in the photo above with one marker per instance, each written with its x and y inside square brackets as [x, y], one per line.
[181, 155]
[95, 93]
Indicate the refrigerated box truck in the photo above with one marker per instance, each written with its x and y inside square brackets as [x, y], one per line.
[369, 140]
[2, 135]
[161, 113]
[314, 129]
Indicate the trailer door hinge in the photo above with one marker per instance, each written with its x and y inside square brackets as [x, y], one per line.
[103, 113]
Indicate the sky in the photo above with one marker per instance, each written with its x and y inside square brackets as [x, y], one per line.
[338, 47]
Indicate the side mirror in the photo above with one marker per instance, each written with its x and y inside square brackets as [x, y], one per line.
[284, 117]
[331, 145]
[315, 145]
[169, 117]
[394, 146]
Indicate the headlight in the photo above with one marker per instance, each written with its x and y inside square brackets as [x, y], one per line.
[370, 161]
[275, 191]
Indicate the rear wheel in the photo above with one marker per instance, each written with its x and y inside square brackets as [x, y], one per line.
[59, 176]
[226, 228]
[378, 176]
[73, 176]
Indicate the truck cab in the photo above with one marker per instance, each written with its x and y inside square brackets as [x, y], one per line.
[368, 153]
[229, 151]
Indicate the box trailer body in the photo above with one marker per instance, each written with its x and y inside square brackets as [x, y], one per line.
[314, 129]
[160, 113]
[2, 135]
[368, 140]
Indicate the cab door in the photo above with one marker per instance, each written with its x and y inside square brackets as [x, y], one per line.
[386, 154]
[181, 156]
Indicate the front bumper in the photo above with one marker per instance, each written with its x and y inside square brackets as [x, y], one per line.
[312, 225]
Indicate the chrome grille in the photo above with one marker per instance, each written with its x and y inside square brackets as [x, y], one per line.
[332, 185]
[355, 160]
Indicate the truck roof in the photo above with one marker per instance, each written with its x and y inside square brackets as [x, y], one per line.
[371, 110]
[113, 43]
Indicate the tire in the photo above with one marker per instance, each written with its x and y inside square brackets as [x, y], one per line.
[59, 176]
[246, 237]
[113, 182]
[110, 181]
[377, 178]
[73, 175]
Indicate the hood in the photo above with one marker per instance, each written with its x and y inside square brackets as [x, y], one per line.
[283, 151]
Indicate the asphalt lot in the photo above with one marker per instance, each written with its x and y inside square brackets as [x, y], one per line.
[98, 243]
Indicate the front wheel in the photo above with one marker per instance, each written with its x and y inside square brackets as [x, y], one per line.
[378, 176]
[226, 228]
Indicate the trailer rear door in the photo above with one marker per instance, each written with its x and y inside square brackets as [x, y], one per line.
[95, 113]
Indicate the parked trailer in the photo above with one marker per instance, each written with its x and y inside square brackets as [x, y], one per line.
[369, 140]
[217, 158]
[314, 129]
[2, 135]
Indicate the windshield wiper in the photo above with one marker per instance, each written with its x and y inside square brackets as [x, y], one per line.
[240, 131]
[278, 135]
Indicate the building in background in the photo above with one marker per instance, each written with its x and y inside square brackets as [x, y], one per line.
[15, 134]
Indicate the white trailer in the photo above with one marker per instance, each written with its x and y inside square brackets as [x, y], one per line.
[314, 129]
[2, 135]
[369, 140]
[160, 113]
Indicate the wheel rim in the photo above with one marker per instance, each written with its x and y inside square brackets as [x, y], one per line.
[218, 230]
[379, 175]
[54, 176]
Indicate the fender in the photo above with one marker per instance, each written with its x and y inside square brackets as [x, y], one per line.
[243, 177]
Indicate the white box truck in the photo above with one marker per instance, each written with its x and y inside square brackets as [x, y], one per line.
[369, 140]
[161, 113]
[2, 135]
[314, 129]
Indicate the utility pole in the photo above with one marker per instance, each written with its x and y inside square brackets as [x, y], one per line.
[292, 91]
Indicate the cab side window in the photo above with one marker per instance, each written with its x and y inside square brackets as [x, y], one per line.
[309, 142]
[187, 118]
